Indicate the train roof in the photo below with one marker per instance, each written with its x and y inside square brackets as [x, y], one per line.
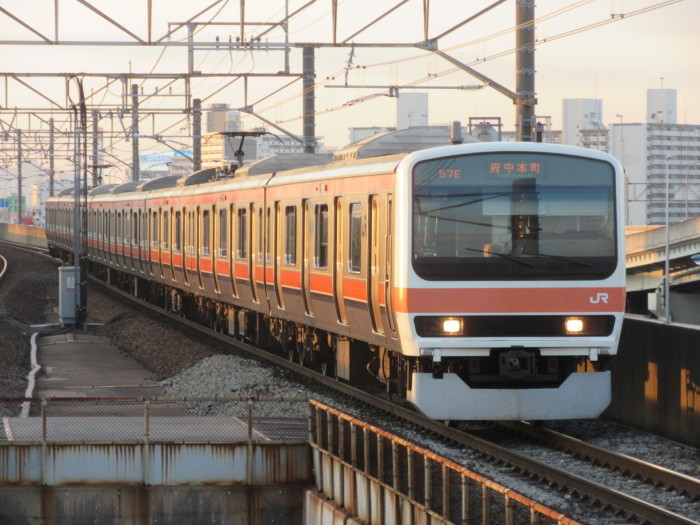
[400, 141]
[283, 162]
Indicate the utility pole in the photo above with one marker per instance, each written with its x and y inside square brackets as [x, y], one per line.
[19, 176]
[52, 170]
[95, 140]
[525, 69]
[135, 131]
[309, 106]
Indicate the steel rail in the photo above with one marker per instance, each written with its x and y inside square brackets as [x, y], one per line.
[544, 472]
[608, 458]
[3, 267]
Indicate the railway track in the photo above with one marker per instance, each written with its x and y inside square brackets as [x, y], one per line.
[631, 507]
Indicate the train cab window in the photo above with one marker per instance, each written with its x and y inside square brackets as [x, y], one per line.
[290, 242]
[166, 229]
[321, 236]
[206, 225]
[242, 250]
[223, 233]
[355, 255]
[177, 231]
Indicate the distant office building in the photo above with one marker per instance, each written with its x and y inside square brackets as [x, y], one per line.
[362, 133]
[220, 117]
[549, 135]
[411, 110]
[583, 126]
[486, 129]
[219, 151]
[661, 106]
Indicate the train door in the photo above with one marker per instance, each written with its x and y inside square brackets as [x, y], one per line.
[305, 270]
[176, 251]
[255, 256]
[191, 246]
[134, 247]
[374, 268]
[166, 259]
[278, 255]
[145, 238]
[153, 243]
[216, 252]
[388, 261]
[185, 247]
[198, 246]
[338, 266]
[267, 264]
[126, 237]
[232, 257]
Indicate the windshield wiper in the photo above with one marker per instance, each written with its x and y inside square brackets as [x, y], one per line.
[510, 258]
[566, 259]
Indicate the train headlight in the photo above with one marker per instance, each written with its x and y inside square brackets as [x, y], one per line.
[452, 326]
[573, 325]
[436, 326]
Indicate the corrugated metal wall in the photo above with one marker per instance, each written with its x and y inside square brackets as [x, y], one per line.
[656, 379]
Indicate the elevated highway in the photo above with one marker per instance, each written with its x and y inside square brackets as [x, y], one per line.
[646, 256]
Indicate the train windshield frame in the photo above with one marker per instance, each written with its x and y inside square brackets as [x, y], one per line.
[514, 216]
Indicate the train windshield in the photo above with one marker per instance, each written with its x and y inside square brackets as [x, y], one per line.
[513, 216]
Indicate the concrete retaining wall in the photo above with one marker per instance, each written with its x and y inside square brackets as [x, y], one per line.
[30, 235]
[656, 379]
[133, 505]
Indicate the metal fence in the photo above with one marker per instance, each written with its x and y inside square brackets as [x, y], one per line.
[144, 420]
[382, 478]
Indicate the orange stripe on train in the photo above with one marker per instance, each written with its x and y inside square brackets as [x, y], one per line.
[508, 300]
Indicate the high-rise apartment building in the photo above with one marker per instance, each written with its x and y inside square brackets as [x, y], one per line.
[649, 152]
[654, 150]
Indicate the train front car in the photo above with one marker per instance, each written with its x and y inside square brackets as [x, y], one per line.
[509, 288]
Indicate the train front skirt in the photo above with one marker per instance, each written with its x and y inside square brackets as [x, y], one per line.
[583, 395]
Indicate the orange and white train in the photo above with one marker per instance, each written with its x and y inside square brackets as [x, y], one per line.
[481, 281]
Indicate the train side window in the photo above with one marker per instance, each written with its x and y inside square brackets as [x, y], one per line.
[154, 238]
[126, 230]
[177, 231]
[166, 229]
[223, 233]
[242, 251]
[206, 225]
[143, 241]
[290, 243]
[259, 226]
[355, 259]
[119, 227]
[268, 233]
[135, 229]
[321, 237]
